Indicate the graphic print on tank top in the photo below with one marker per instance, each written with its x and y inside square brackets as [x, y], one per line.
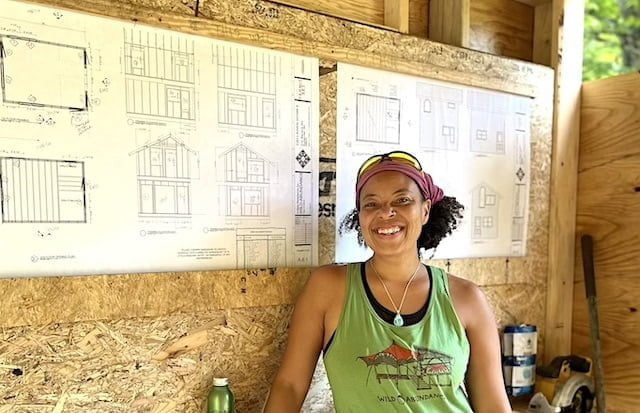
[424, 368]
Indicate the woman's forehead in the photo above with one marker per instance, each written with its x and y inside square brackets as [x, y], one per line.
[389, 182]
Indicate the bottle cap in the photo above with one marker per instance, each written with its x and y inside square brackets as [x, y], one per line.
[220, 381]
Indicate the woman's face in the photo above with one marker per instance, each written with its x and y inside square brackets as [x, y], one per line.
[392, 212]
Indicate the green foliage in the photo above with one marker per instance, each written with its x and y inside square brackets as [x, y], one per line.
[611, 38]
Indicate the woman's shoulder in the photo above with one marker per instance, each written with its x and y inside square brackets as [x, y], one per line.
[328, 277]
[467, 298]
[326, 284]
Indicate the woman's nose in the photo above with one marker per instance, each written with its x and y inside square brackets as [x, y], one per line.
[388, 211]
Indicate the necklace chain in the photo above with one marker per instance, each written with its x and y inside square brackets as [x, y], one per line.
[406, 288]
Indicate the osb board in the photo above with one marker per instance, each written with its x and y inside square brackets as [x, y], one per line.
[502, 27]
[365, 11]
[120, 366]
[38, 301]
[608, 196]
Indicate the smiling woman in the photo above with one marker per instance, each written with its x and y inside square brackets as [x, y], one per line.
[396, 335]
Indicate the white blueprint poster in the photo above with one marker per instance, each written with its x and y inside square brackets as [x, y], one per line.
[125, 148]
[474, 142]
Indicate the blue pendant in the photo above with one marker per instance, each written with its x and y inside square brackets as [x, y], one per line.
[398, 321]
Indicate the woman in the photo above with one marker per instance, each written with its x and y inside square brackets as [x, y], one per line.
[396, 335]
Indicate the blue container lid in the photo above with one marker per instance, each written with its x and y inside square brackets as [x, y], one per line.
[519, 360]
[522, 328]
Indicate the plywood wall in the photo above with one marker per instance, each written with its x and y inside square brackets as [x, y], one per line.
[502, 27]
[609, 210]
[152, 342]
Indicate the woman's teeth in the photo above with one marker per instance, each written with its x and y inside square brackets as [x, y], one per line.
[388, 231]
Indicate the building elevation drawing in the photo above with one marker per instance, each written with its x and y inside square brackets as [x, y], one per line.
[165, 169]
[246, 87]
[160, 75]
[247, 176]
[125, 148]
[474, 142]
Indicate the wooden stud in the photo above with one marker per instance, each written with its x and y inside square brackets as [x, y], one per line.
[534, 3]
[396, 15]
[449, 22]
[542, 34]
[566, 58]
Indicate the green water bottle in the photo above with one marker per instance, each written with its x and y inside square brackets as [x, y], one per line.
[221, 398]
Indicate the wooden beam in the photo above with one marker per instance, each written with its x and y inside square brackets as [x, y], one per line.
[396, 15]
[534, 3]
[566, 58]
[542, 34]
[449, 22]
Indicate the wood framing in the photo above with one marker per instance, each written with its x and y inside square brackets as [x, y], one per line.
[534, 3]
[396, 15]
[542, 29]
[449, 21]
[566, 58]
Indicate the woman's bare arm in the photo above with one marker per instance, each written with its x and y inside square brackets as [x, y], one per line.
[484, 374]
[306, 334]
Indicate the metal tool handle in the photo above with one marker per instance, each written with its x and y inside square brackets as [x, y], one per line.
[594, 323]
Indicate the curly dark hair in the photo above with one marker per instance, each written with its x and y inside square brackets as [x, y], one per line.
[444, 217]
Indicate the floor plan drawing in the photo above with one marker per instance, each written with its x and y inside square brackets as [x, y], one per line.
[261, 247]
[160, 75]
[488, 122]
[61, 80]
[485, 211]
[42, 191]
[440, 109]
[247, 176]
[165, 169]
[246, 88]
[377, 119]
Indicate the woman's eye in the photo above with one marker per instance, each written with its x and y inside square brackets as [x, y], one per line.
[370, 205]
[403, 200]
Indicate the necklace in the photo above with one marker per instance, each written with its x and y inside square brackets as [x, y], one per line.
[398, 321]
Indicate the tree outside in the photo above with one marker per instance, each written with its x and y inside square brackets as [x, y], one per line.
[611, 38]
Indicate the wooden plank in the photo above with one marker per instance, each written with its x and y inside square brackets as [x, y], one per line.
[362, 11]
[370, 12]
[608, 199]
[609, 123]
[449, 21]
[608, 211]
[502, 27]
[419, 18]
[396, 14]
[566, 47]
[618, 305]
[542, 34]
[534, 3]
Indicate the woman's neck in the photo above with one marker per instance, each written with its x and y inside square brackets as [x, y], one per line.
[395, 268]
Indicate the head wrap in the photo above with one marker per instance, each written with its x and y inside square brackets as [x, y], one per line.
[424, 181]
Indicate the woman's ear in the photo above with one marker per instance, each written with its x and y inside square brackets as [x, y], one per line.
[426, 208]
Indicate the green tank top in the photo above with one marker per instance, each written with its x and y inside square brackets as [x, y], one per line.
[374, 366]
